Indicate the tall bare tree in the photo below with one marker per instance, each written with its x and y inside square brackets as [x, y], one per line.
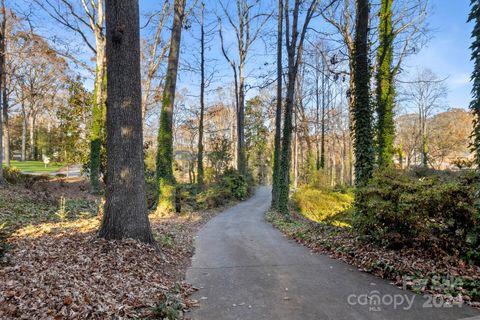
[426, 93]
[243, 25]
[294, 45]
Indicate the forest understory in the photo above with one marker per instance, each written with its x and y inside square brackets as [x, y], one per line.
[55, 267]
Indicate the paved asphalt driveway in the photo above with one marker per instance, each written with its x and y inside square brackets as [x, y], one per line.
[247, 270]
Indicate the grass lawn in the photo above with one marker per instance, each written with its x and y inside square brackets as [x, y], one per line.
[35, 166]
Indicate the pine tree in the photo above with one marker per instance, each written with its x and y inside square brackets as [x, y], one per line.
[362, 113]
[385, 91]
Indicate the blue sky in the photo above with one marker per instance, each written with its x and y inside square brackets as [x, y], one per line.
[448, 53]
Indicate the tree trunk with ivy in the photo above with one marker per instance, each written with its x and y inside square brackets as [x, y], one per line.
[97, 131]
[125, 206]
[475, 104]
[385, 93]
[165, 178]
[278, 111]
[294, 44]
[362, 113]
[284, 179]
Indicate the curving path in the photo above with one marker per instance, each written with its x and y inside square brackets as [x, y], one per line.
[247, 270]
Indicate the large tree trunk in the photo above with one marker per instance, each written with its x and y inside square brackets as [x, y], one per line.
[165, 156]
[125, 206]
[278, 110]
[202, 100]
[362, 121]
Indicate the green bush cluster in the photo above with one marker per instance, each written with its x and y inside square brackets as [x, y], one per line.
[231, 185]
[434, 211]
[13, 175]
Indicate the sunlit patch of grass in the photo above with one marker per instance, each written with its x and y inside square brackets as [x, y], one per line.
[36, 166]
[82, 225]
[325, 206]
[24, 216]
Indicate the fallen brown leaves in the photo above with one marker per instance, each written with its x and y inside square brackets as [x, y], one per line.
[63, 271]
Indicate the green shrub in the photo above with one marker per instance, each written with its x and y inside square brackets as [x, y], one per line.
[212, 197]
[235, 183]
[186, 196]
[13, 175]
[430, 210]
[231, 185]
[151, 188]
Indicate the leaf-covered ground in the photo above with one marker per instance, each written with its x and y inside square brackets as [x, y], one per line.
[56, 268]
[411, 269]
